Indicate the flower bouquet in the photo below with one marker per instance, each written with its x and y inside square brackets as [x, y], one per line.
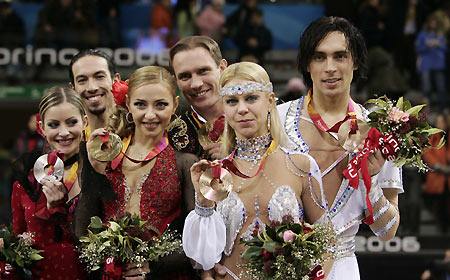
[17, 254]
[408, 126]
[400, 132]
[122, 240]
[287, 250]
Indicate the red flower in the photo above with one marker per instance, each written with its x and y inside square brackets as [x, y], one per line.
[266, 254]
[120, 90]
[307, 229]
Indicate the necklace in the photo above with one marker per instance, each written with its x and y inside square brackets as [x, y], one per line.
[252, 149]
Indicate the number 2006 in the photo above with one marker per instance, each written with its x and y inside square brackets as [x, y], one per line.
[407, 244]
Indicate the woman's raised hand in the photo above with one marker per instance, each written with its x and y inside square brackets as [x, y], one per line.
[97, 165]
[54, 191]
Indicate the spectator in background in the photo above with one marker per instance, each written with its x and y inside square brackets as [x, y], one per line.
[12, 35]
[239, 18]
[185, 13]
[431, 48]
[295, 89]
[210, 22]
[84, 25]
[371, 23]
[437, 181]
[28, 141]
[254, 39]
[162, 22]
[109, 16]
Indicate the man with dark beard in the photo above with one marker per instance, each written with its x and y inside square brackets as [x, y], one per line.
[92, 73]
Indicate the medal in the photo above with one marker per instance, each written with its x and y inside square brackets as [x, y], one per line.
[216, 183]
[105, 148]
[48, 167]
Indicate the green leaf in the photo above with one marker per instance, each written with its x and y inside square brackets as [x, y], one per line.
[414, 111]
[96, 222]
[114, 226]
[400, 103]
[36, 257]
[270, 246]
[432, 130]
[406, 105]
[252, 252]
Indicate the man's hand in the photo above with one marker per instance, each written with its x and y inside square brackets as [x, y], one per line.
[213, 150]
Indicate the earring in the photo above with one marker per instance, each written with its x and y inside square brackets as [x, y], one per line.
[127, 117]
[268, 121]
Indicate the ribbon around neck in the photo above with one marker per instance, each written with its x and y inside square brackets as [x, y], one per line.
[375, 141]
[160, 146]
[319, 122]
[230, 166]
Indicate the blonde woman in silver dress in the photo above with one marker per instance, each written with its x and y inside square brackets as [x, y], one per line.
[281, 183]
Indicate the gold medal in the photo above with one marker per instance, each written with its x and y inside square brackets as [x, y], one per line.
[216, 189]
[43, 170]
[106, 151]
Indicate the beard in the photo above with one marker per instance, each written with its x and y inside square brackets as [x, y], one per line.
[97, 111]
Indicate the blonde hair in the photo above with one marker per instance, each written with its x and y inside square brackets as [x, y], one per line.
[58, 95]
[252, 72]
[117, 122]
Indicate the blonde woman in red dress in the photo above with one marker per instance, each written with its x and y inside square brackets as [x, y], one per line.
[45, 208]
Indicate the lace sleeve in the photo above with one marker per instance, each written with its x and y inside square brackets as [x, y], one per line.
[184, 163]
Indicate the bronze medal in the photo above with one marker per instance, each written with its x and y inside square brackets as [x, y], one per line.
[216, 189]
[106, 151]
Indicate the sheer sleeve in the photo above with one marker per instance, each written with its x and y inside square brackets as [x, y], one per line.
[184, 163]
[95, 188]
[179, 261]
[204, 229]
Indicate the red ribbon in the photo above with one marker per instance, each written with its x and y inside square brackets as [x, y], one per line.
[317, 273]
[111, 271]
[389, 147]
[7, 273]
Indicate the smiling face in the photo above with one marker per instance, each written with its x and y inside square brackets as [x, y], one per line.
[93, 81]
[151, 106]
[247, 113]
[63, 128]
[332, 66]
[197, 77]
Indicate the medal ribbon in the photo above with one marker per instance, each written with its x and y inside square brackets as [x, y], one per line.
[72, 176]
[318, 121]
[162, 144]
[389, 147]
[229, 165]
[87, 133]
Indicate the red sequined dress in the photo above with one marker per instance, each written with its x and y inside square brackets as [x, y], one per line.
[161, 196]
[51, 229]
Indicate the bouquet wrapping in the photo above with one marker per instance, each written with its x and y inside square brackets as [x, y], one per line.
[17, 254]
[401, 132]
[122, 240]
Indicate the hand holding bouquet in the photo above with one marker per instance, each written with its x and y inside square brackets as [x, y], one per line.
[400, 132]
[17, 254]
[123, 240]
[287, 250]
[408, 126]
